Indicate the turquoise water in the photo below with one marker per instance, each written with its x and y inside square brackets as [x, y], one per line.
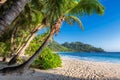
[111, 57]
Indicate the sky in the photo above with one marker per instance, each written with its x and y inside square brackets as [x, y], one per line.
[100, 31]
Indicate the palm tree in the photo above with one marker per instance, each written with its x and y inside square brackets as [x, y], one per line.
[48, 18]
[25, 65]
[38, 5]
[55, 28]
[82, 7]
[23, 48]
[2, 2]
[28, 19]
[34, 32]
[8, 17]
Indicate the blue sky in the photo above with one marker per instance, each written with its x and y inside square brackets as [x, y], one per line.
[100, 31]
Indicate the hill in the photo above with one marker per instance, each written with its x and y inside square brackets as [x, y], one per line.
[81, 47]
[56, 47]
[73, 47]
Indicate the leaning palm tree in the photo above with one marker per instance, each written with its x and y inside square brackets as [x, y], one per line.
[82, 7]
[44, 22]
[33, 8]
[9, 16]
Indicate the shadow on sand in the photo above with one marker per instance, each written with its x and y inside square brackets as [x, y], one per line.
[51, 76]
[42, 75]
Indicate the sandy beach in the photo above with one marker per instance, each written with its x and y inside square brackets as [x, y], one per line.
[72, 69]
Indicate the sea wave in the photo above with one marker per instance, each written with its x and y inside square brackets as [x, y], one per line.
[96, 58]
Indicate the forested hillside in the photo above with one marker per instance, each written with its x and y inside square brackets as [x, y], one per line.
[73, 47]
[56, 47]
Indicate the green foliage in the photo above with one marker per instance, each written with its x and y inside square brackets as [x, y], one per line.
[88, 7]
[22, 26]
[47, 60]
[56, 8]
[73, 47]
[81, 47]
[73, 19]
[20, 60]
[54, 46]
[35, 44]
[4, 7]
[4, 49]
[33, 14]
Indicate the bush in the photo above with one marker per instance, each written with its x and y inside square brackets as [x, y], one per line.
[4, 49]
[47, 60]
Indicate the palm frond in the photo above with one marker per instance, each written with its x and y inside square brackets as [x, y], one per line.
[73, 19]
[55, 8]
[88, 7]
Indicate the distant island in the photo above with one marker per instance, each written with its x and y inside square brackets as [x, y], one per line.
[73, 47]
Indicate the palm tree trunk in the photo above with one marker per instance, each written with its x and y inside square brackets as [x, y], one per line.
[22, 50]
[25, 65]
[37, 53]
[11, 14]
[20, 68]
[2, 2]
[4, 59]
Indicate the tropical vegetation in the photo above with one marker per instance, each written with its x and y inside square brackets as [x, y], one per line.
[21, 20]
[73, 47]
[47, 60]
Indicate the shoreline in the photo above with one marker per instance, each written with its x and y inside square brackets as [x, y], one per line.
[75, 58]
[72, 69]
[94, 57]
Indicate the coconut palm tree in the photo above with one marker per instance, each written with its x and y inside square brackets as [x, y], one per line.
[43, 23]
[9, 16]
[29, 18]
[35, 8]
[81, 8]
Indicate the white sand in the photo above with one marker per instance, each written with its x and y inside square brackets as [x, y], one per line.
[72, 70]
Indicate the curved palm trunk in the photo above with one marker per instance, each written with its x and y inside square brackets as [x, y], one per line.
[4, 59]
[37, 53]
[25, 65]
[11, 14]
[2, 2]
[22, 50]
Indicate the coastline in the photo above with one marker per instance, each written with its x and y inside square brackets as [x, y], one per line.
[94, 57]
[72, 69]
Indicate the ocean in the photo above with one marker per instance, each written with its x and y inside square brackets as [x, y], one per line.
[110, 57]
